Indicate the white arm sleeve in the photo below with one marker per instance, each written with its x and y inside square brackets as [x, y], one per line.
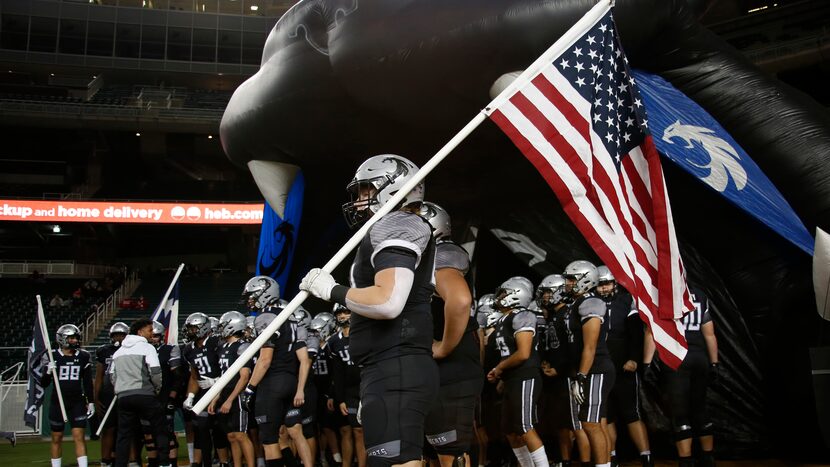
[394, 305]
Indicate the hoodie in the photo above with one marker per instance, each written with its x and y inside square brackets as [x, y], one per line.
[135, 368]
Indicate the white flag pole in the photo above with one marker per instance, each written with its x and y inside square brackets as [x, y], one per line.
[43, 330]
[169, 290]
[106, 415]
[565, 41]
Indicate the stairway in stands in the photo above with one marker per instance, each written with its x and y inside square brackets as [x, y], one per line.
[212, 294]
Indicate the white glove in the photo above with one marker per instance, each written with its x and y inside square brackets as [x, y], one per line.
[578, 388]
[188, 403]
[51, 367]
[90, 410]
[206, 383]
[318, 283]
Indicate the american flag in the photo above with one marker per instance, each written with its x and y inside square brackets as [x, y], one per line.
[581, 122]
[167, 314]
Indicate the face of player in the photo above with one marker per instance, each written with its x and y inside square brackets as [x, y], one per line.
[570, 282]
[342, 317]
[605, 289]
[156, 339]
[117, 338]
[365, 192]
[73, 341]
[546, 296]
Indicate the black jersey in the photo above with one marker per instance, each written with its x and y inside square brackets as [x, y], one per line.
[558, 338]
[587, 307]
[104, 357]
[74, 374]
[695, 319]
[464, 362]
[320, 371]
[204, 358]
[286, 341]
[345, 373]
[228, 353]
[519, 320]
[625, 330]
[170, 359]
[400, 239]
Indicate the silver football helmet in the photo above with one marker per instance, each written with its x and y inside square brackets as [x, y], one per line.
[301, 317]
[383, 175]
[583, 274]
[493, 318]
[324, 325]
[551, 290]
[438, 218]
[260, 291]
[231, 323]
[118, 332]
[196, 326]
[604, 274]
[342, 315]
[214, 325]
[514, 292]
[484, 307]
[158, 334]
[66, 332]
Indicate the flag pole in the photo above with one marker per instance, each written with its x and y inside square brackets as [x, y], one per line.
[43, 330]
[565, 41]
[106, 415]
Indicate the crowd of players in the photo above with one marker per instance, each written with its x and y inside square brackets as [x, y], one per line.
[407, 366]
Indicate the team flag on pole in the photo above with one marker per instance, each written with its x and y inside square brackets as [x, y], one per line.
[35, 391]
[167, 313]
[580, 120]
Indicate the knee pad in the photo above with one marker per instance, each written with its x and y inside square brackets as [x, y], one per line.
[309, 430]
[704, 429]
[682, 432]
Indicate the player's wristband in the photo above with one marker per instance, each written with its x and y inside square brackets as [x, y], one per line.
[338, 294]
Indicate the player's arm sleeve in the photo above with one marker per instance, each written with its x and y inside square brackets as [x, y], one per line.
[175, 360]
[634, 334]
[592, 308]
[86, 372]
[524, 321]
[450, 255]
[151, 359]
[45, 377]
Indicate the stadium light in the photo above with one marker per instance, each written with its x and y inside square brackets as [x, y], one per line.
[210, 136]
[254, 8]
[56, 228]
[137, 133]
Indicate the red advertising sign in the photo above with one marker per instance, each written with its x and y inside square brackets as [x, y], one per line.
[133, 213]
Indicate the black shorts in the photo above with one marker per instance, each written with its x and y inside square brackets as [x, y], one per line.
[353, 418]
[555, 406]
[519, 408]
[396, 395]
[624, 401]
[236, 420]
[449, 425]
[331, 419]
[106, 397]
[595, 406]
[275, 395]
[685, 391]
[75, 413]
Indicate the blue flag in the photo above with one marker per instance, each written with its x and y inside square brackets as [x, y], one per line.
[692, 139]
[35, 391]
[167, 314]
[278, 236]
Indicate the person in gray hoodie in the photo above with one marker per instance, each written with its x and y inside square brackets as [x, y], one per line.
[136, 376]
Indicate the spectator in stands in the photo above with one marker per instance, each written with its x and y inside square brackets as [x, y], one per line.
[37, 277]
[77, 296]
[57, 301]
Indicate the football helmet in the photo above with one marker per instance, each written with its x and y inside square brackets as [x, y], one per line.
[606, 283]
[301, 317]
[551, 290]
[66, 332]
[214, 325]
[484, 306]
[260, 291]
[341, 314]
[583, 274]
[118, 332]
[383, 176]
[231, 323]
[604, 274]
[262, 321]
[438, 218]
[324, 325]
[493, 318]
[514, 292]
[158, 334]
[196, 326]
[250, 331]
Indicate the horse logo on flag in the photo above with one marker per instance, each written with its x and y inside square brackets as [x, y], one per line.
[724, 160]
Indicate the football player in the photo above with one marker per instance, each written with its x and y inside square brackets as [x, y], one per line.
[592, 371]
[515, 338]
[345, 375]
[625, 343]
[170, 358]
[227, 405]
[449, 425]
[73, 365]
[278, 379]
[391, 335]
[299, 420]
[104, 392]
[202, 355]
[322, 327]
[687, 386]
